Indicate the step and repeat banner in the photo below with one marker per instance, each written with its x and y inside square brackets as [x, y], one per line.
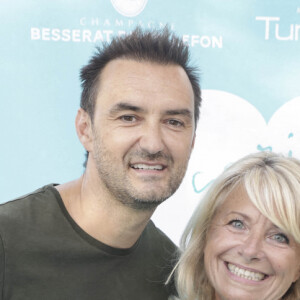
[248, 52]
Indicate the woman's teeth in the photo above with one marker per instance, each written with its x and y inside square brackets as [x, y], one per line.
[255, 276]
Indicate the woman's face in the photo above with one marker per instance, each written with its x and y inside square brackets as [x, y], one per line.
[246, 256]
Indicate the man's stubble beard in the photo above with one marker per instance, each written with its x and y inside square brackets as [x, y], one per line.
[116, 180]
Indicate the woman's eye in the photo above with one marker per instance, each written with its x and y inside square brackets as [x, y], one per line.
[237, 224]
[280, 238]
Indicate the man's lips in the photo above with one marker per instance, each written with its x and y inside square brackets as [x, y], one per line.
[148, 166]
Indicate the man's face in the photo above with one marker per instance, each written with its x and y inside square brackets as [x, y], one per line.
[143, 131]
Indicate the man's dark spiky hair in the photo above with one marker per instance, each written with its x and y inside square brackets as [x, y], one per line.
[159, 46]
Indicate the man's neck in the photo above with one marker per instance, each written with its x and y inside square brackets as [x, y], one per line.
[105, 219]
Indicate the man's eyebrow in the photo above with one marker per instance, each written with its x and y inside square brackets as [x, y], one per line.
[184, 112]
[124, 106]
[127, 106]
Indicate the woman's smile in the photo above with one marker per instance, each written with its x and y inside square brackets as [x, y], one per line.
[245, 273]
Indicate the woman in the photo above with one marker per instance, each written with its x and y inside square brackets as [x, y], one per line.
[243, 241]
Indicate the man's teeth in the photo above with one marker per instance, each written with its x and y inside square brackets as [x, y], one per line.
[147, 167]
[245, 273]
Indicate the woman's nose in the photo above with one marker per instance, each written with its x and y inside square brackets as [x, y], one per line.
[252, 247]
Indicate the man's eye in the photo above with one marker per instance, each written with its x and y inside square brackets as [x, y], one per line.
[236, 224]
[280, 238]
[128, 118]
[175, 123]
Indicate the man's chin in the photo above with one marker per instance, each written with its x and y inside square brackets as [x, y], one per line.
[143, 198]
[144, 205]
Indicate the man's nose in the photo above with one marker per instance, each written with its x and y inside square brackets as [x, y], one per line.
[151, 139]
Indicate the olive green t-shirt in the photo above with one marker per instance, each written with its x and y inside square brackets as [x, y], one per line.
[44, 255]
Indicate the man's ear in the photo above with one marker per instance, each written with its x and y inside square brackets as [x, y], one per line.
[194, 138]
[84, 130]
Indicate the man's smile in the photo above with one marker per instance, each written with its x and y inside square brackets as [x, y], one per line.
[150, 167]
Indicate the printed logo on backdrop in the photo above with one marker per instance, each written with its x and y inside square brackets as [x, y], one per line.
[277, 28]
[204, 41]
[129, 8]
[95, 29]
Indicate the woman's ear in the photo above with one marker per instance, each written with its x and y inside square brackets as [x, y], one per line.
[297, 275]
[84, 130]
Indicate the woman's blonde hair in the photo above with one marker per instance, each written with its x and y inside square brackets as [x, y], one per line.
[272, 183]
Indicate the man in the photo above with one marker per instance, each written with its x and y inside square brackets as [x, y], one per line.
[91, 238]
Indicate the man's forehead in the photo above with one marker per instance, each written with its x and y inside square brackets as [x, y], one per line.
[139, 76]
[127, 106]
[143, 85]
[130, 68]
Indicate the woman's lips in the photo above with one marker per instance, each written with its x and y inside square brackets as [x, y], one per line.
[245, 273]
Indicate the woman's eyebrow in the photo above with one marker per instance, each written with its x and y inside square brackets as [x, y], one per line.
[239, 213]
[248, 218]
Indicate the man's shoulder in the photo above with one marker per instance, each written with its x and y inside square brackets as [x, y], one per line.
[163, 253]
[158, 238]
[19, 207]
